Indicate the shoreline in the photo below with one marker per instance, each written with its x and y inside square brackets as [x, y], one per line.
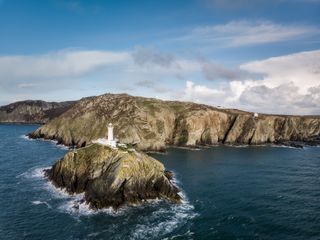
[289, 144]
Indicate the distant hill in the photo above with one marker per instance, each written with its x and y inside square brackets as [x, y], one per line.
[33, 111]
[153, 125]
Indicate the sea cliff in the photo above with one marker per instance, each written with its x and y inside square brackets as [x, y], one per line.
[111, 177]
[32, 111]
[153, 125]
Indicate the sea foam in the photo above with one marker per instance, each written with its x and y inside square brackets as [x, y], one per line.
[54, 142]
[41, 202]
[165, 220]
[37, 172]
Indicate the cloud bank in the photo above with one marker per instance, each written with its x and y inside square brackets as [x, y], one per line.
[290, 84]
[285, 84]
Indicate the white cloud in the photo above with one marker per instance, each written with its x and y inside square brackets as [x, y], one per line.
[242, 33]
[67, 64]
[290, 85]
[302, 69]
[201, 93]
[284, 98]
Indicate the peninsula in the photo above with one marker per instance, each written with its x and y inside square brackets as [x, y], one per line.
[150, 124]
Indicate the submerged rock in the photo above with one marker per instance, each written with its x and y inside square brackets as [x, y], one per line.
[113, 177]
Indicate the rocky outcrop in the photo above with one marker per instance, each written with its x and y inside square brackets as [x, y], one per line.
[152, 125]
[113, 177]
[32, 111]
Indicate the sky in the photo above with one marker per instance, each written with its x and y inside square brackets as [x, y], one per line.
[255, 55]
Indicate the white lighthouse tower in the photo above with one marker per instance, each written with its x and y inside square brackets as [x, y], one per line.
[110, 141]
[110, 132]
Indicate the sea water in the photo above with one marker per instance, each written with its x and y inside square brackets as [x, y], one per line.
[229, 193]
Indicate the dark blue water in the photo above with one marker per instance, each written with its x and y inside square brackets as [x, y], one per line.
[231, 193]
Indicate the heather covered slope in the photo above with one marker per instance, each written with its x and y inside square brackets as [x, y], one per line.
[32, 111]
[152, 124]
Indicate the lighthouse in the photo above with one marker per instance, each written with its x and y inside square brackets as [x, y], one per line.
[109, 141]
[110, 132]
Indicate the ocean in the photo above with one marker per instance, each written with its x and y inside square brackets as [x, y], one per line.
[265, 192]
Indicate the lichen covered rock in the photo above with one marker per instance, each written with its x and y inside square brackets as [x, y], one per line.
[113, 177]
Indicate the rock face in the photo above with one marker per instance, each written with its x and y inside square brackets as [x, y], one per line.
[152, 124]
[113, 177]
[32, 111]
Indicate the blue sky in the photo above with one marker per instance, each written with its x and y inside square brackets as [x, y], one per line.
[219, 52]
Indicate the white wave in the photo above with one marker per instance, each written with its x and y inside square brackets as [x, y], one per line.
[239, 146]
[39, 172]
[41, 202]
[55, 192]
[162, 221]
[175, 216]
[76, 206]
[61, 146]
[285, 146]
[71, 203]
[180, 216]
[94, 234]
[48, 140]
[176, 182]
[54, 142]
[26, 137]
[184, 235]
[33, 173]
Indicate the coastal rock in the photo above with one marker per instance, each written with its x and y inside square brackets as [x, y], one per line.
[32, 111]
[113, 177]
[152, 125]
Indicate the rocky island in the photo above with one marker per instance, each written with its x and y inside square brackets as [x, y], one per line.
[152, 125]
[112, 177]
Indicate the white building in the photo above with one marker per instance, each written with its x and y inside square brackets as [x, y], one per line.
[255, 115]
[110, 141]
[110, 132]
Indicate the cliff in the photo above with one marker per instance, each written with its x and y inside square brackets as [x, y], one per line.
[152, 125]
[112, 177]
[32, 111]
